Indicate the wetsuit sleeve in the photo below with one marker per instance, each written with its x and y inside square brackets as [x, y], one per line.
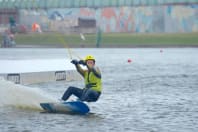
[96, 72]
[80, 70]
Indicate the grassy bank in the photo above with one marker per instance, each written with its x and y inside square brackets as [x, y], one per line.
[181, 39]
[109, 40]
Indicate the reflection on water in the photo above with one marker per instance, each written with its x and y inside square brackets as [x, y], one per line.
[156, 92]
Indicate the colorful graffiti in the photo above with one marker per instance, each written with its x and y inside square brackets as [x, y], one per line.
[146, 19]
[110, 19]
[181, 19]
[170, 18]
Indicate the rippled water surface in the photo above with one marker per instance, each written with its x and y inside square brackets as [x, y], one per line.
[157, 91]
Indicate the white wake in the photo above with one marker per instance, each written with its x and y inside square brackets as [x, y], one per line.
[22, 96]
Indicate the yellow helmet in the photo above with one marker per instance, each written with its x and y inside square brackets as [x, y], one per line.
[89, 57]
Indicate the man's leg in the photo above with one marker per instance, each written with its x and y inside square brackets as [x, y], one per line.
[72, 90]
[90, 95]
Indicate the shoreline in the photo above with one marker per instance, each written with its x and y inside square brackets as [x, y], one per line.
[107, 46]
[108, 40]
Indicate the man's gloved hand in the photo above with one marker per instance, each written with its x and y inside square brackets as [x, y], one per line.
[82, 62]
[75, 62]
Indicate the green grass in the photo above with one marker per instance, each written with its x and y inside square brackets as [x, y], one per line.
[155, 39]
[109, 39]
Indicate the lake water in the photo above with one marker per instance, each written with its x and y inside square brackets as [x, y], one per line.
[156, 92]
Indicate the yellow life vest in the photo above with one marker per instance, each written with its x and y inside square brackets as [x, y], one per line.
[93, 81]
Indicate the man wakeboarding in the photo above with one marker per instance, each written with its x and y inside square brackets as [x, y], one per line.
[92, 79]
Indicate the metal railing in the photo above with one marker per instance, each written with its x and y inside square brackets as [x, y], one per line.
[44, 4]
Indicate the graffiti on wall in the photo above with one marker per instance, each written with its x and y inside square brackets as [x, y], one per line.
[181, 18]
[145, 19]
[170, 18]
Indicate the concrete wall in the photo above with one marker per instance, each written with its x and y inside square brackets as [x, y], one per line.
[154, 19]
[40, 77]
[37, 70]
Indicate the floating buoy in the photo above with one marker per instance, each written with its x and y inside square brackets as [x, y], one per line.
[129, 60]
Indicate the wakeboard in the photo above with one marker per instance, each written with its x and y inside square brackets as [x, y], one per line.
[73, 107]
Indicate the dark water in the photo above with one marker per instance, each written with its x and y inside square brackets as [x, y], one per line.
[157, 91]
